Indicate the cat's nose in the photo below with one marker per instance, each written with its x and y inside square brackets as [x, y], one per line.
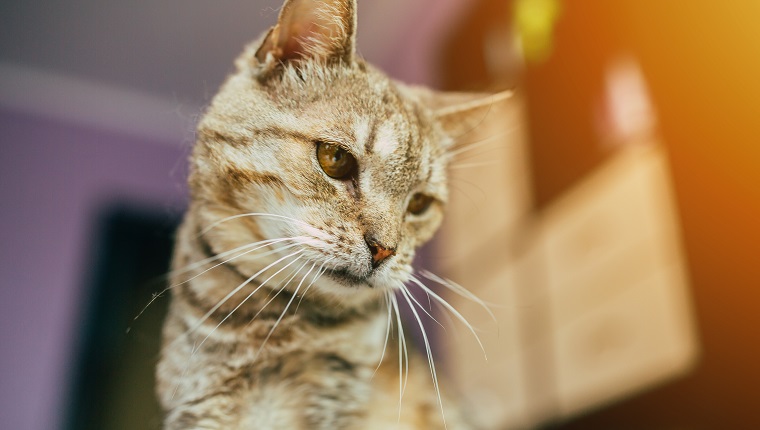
[379, 252]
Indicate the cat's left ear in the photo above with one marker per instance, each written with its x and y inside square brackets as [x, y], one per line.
[461, 113]
[317, 29]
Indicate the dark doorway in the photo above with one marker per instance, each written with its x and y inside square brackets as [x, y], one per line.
[112, 384]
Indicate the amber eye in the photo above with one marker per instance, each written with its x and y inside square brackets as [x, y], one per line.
[419, 203]
[336, 161]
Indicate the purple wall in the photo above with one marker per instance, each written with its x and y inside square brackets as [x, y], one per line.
[53, 180]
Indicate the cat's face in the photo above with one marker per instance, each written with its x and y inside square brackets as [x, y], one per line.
[314, 147]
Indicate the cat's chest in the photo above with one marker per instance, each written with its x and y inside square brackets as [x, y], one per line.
[306, 390]
[271, 407]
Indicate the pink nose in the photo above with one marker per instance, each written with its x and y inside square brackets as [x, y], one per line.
[379, 252]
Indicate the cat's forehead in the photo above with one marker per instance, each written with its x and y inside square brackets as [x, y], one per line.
[361, 109]
[342, 91]
[379, 136]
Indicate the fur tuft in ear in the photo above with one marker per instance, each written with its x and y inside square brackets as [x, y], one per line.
[311, 29]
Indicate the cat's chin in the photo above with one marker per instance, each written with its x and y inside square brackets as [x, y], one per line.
[378, 280]
[348, 279]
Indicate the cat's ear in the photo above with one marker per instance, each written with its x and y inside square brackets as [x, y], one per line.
[317, 29]
[461, 113]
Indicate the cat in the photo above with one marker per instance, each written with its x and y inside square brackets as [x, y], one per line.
[313, 180]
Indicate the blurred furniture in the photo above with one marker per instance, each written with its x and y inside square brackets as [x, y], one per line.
[699, 65]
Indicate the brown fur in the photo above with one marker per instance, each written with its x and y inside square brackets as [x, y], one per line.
[299, 85]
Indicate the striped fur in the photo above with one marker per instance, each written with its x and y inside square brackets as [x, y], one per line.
[254, 177]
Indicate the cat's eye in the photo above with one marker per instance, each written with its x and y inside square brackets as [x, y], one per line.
[419, 203]
[336, 161]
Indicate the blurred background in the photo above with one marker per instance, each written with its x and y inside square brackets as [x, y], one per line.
[97, 107]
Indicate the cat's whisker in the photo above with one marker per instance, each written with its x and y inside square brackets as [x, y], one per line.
[269, 242]
[252, 293]
[482, 154]
[423, 308]
[462, 148]
[447, 317]
[402, 353]
[481, 191]
[460, 290]
[266, 254]
[453, 311]
[216, 257]
[282, 315]
[197, 346]
[256, 214]
[281, 287]
[473, 165]
[456, 187]
[387, 332]
[316, 275]
[322, 269]
[479, 150]
[201, 263]
[431, 362]
[237, 289]
[184, 373]
[292, 276]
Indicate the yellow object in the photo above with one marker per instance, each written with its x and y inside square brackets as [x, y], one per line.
[534, 23]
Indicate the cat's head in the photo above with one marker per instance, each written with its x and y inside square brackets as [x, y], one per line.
[309, 147]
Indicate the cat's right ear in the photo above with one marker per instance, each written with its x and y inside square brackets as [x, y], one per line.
[323, 30]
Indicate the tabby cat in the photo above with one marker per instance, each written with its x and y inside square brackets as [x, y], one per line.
[313, 180]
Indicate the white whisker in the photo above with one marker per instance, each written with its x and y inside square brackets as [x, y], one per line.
[196, 345]
[454, 312]
[460, 290]
[200, 263]
[472, 165]
[387, 332]
[266, 254]
[221, 255]
[402, 353]
[279, 289]
[184, 372]
[255, 214]
[445, 314]
[282, 315]
[208, 314]
[285, 285]
[293, 275]
[478, 143]
[322, 269]
[431, 361]
[424, 310]
[483, 195]
[228, 296]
